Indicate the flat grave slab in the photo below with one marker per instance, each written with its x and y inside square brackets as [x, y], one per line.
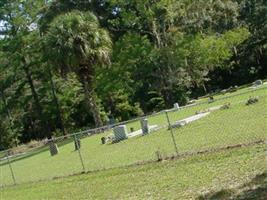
[188, 120]
[140, 132]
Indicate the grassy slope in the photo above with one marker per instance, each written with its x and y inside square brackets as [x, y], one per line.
[234, 98]
[186, 178]
[240, 124]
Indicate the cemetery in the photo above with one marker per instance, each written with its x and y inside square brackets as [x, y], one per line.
[149, 135]
[121, 133]
[139, 99]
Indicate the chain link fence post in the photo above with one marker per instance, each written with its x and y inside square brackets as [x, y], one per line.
[172, 134]
[11, 169]
[77, 144]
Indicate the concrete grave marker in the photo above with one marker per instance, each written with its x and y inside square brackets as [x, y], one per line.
[120, 133]
[176, 106]
[258, 83]
[188, 120]
[224, 91]
[145, 126]
[53, 148]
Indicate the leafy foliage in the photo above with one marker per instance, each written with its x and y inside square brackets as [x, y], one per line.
[64, 68]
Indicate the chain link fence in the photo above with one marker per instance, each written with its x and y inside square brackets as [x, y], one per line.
[229, 119]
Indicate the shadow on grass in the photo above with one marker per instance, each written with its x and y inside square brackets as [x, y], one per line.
[256, 189]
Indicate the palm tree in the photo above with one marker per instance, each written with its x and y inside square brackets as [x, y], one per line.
[75, 42]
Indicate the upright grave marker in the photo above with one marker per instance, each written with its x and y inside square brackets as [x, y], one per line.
[120, 133]
[176, 106]
[145, 126]
[53, 148]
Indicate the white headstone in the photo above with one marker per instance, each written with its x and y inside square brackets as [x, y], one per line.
[176, 106]
[145, 126]
[120, 133]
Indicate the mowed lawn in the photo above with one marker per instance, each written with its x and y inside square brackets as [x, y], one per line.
[237, 125]
[238, 174]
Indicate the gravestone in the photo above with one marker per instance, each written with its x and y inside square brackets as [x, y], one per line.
[258, 83]
[224, 91]
[176, 106]
[144, 126]
[233, 89]
[120, 133]
[192, 101]
[178, 124]
[53, 148]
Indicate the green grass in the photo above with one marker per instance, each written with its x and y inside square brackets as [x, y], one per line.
[239, 124]
[234, 98]
[235, 173]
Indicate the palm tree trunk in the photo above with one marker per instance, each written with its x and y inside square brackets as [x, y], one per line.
[91, 103]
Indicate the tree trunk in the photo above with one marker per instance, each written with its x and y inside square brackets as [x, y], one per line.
[156, 35]
[91, 103]
[6, 108]
[204, 88]
[45, 125]
[56, 102]
[166, 88]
